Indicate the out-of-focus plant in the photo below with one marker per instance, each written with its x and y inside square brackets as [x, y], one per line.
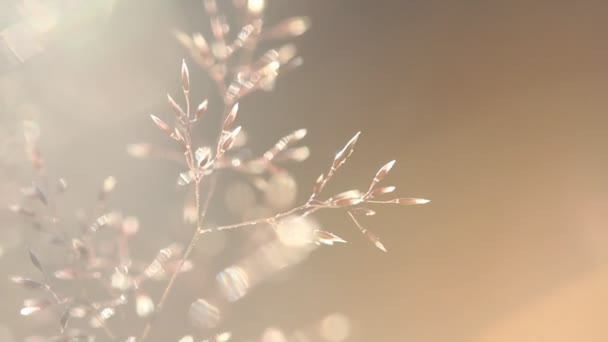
[107, 262]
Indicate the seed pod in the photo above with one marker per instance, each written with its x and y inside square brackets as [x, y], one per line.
[202, 156]
[35, 261]
[177, 135]
[185, 77]
[179, 112]
[201, 110]
[327, 238]
[343, 154]
[346, 202]
[375, 240]
[410, 201]
[382, 191]
[27, 283]
[347, 194]
[382, 172]
[231, 117]
[162, 125]
[229, 139]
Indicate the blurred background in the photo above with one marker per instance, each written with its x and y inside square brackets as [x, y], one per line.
[494, 110]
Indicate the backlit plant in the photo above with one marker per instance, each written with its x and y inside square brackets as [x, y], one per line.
[237, 68]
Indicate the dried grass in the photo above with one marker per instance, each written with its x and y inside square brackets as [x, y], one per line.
[236, 74]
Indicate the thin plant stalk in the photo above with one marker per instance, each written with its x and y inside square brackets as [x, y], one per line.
[200, 215]
[186, 255]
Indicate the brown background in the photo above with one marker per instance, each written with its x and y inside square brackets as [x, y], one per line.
[494, 110]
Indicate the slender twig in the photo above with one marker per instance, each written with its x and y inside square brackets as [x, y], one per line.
[180, 264]
[201, 210]
[359, 225]
[198, 180]
[306, 209]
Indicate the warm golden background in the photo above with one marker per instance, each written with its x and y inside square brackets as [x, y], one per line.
[494, 110]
